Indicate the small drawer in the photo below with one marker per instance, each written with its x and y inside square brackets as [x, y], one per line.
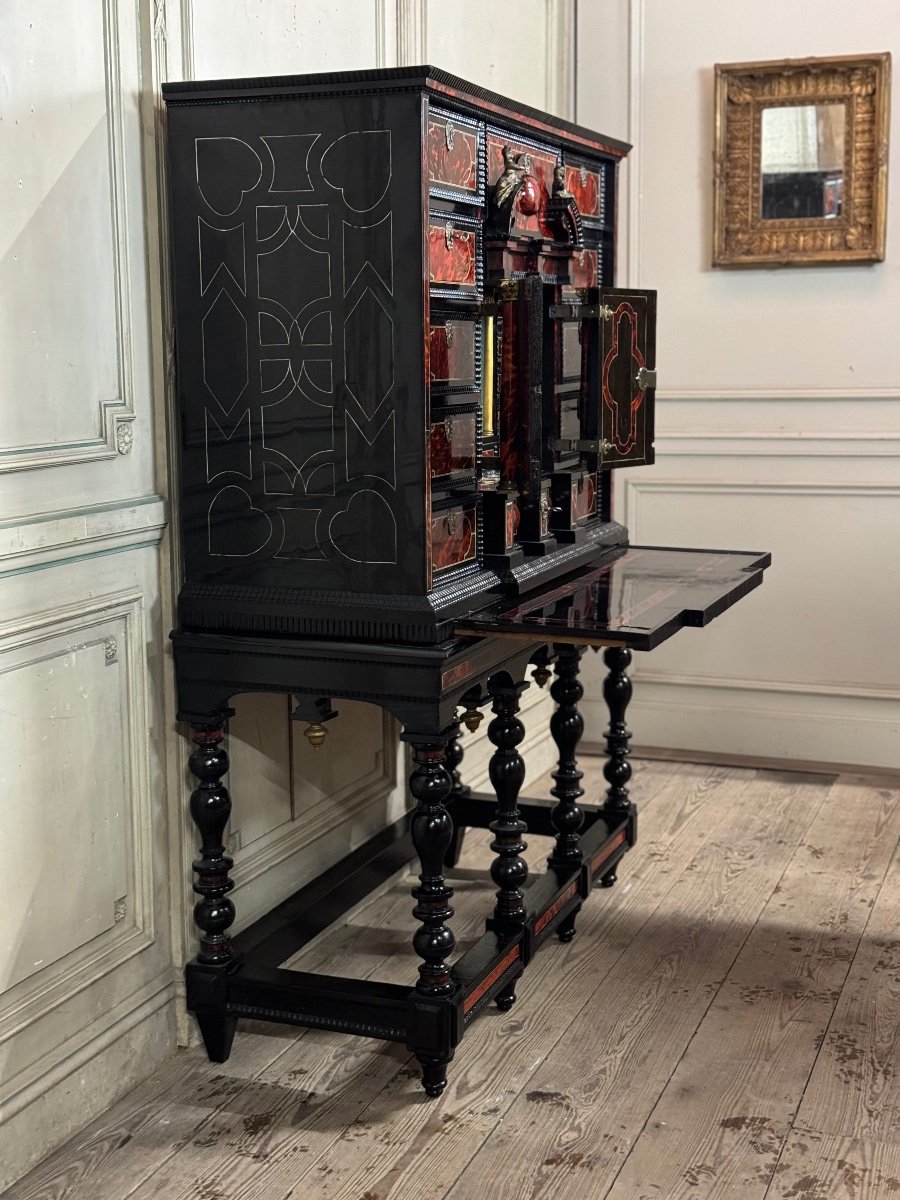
[452, 359]
[453, 536]
[453, 155]
[585, 185]
[452, 445]
[452, 253]
[584, 268]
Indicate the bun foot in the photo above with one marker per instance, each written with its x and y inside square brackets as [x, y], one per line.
[609, 879]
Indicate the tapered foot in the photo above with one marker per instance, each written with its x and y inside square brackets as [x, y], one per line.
[217, 1030]
[609, 879]
[507, 998]
[566, 930]
[434, 1075]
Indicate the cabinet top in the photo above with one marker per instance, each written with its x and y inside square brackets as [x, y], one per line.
[440, 84]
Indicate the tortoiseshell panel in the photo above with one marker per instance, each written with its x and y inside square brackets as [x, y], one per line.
[453, 539]
[583, 268]
[451, 254]
[584, 498]
[585, 187]
[452, 155]
[452, 352]
[452, 445]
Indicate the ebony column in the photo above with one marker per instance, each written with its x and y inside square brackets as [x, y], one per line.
[432, 832]
[507, 771]
[617, 771]
[214, 913]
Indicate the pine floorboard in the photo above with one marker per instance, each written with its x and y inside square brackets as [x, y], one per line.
[725, 1023]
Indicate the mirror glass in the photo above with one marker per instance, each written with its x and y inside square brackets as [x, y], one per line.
[802, 161]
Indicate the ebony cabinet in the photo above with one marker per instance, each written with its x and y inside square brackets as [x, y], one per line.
[403, 372]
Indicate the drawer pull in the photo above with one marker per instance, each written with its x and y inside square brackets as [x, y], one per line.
[449, 134]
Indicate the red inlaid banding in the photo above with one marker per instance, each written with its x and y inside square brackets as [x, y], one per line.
[560, 902]
[625, 327]
[489, 980]
[600, 858]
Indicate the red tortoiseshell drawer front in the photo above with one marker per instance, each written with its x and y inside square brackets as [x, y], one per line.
[452, 445]
[452, 155]
[451, 362]
[583, 268]
[584, 498]
[451, 254]
[452, 537]
[584, 184]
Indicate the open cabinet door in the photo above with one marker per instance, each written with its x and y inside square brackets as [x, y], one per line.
[627, 377]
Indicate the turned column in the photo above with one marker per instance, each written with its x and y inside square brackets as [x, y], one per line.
[617, 771]
[432, 831]
[566, 728]
[507, 771]
[210, 809]
[214, 912]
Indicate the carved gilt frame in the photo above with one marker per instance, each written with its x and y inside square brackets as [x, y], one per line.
[741, 238]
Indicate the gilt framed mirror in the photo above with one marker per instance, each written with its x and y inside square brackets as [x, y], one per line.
[801, 161]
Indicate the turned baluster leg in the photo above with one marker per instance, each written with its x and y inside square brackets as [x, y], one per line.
[507, 771]
[458, 791]
[432, 832]
[617, 771]
[566, 728]
[214, 913]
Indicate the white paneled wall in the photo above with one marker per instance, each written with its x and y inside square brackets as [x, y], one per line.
[778, 410]
[95, 857]
[86, 976]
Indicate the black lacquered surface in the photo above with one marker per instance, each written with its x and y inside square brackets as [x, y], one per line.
[638, 597]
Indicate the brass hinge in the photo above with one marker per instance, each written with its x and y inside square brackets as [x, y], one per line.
[645, 378]
[581, 312]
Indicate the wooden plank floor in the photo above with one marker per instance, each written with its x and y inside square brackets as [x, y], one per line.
[726, 1023]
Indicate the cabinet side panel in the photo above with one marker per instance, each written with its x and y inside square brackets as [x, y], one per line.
[297, 243]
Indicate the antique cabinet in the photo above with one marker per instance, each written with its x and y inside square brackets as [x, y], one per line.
[404, 375]
[404, 380]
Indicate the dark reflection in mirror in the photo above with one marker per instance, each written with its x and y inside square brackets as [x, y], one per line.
[802, 161]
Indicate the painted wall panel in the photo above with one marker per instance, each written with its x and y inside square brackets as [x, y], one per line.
[778, 409]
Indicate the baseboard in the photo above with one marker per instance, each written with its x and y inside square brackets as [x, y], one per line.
[720, 759]
[80, 1089]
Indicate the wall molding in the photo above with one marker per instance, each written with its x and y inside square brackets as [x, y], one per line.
[67, 535]
[120, 409]
[633, 490]
[93, 623]
[560, 58]
[782, 686]
[412, 32]
[634, 181]
[779, 443]
[673, 395]
[30, 1085]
